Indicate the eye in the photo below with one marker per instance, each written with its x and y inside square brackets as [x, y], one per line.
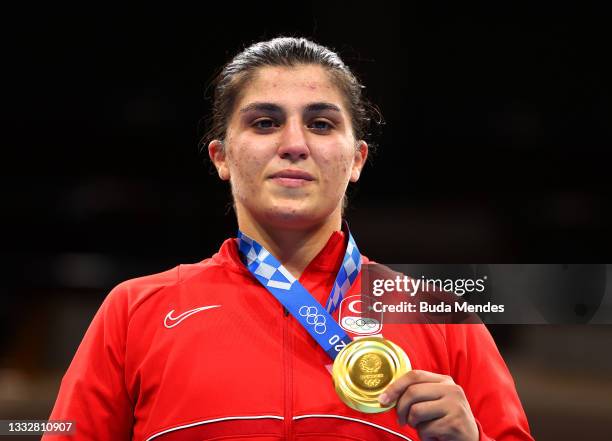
[321, 125]
[264, 124]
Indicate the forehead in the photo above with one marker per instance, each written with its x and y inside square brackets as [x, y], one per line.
[290, 86]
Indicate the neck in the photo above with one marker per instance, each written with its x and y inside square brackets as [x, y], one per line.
[294, 248]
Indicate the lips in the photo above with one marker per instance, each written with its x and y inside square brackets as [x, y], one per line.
[293, 174]
[292, 178]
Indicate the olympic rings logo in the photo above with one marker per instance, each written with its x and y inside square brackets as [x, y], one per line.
[360, 323]
[313, 318]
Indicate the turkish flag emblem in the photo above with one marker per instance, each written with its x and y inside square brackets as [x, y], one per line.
[352, 320]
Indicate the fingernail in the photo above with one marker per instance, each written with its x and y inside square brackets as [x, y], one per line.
[383, 399]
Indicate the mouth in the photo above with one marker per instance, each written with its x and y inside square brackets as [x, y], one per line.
[292, 178]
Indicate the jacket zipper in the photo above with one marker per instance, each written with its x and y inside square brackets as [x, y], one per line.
[287, 375]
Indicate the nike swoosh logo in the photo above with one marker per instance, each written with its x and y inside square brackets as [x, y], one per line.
[171, 322]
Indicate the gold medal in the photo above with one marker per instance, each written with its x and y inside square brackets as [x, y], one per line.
[364, 369]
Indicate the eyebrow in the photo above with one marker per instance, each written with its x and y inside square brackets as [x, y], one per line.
[268, 107]
[275, 108]
[317, 107]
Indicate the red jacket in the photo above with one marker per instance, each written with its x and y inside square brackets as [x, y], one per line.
[154, 366]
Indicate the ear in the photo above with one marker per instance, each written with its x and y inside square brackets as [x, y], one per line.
[216, 152]
[361, 154]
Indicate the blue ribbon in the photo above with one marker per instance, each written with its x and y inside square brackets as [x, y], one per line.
[298, 301]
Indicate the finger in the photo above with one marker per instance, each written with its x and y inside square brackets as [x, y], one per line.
[417, 393]
[425, 411]
[397, 388]
[457, 423]
[441, 428]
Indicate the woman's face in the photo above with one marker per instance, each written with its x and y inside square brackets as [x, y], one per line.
[289, 151]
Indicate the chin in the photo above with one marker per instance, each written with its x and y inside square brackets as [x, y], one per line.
[292, 217]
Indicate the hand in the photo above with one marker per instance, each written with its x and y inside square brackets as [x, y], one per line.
[434, 405]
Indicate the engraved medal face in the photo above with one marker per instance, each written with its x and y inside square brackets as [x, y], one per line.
[364, 369]
[370, 372]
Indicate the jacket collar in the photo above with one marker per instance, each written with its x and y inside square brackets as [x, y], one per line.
[328, 260]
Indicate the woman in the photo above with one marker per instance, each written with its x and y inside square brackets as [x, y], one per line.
[208, 351]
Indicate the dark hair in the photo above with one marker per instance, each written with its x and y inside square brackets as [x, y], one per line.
[285, 51]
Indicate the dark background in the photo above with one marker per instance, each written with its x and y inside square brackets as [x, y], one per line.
[494, 149]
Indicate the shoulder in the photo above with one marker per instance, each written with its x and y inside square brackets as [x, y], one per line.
[131, 294]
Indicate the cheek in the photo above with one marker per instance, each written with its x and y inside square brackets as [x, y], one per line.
[245, 166]
[337, 167]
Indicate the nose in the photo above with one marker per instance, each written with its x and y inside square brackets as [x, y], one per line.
[293, 145]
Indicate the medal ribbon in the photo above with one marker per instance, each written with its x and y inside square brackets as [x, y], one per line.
[296, 299]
